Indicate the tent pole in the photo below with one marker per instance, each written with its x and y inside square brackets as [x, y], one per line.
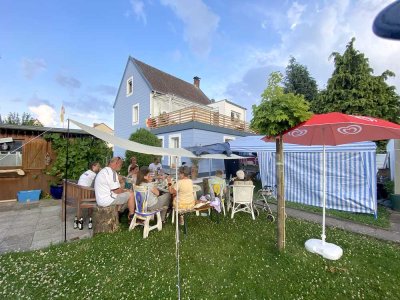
[65, 185]
[178, 284]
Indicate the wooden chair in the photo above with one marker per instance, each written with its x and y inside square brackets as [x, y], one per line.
[242, 199]
[78, 196]
[142, 214]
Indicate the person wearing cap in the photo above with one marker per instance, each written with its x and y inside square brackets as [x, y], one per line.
[108, 189]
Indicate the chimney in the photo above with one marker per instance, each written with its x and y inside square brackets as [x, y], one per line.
[196, 81]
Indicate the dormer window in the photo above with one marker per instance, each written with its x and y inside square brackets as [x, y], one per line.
[129, 86]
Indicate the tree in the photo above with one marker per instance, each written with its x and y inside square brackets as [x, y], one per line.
[353, 89]
[26, 119]
[145, 137]
[278, 112]
[299, 82]
[81, 152]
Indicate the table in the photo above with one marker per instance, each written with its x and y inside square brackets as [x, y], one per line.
[186, 212]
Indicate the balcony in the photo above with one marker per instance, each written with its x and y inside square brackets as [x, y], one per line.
[197, 114]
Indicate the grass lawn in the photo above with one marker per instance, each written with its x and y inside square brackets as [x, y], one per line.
[382, 219]
[233, 259]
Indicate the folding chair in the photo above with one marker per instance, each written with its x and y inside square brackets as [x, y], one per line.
[141, 212]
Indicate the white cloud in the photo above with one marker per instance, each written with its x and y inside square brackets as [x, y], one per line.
[45, 114]
[323, 29]
[200, 24]
[294, 14]
[32, 67]
[138, 9]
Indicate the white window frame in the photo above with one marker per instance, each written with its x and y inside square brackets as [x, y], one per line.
[161, 137]
[135, 122]
[228, 137]
[170, 137]
[130, 79]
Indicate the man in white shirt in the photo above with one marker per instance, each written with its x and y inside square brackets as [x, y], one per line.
[87, 178]
[108, 190]
[156, 167]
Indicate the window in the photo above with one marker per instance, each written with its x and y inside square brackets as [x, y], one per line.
[235, 116]
[11, 154]
[135, 114]
[161, 139]
[129, 86]
[174, 142]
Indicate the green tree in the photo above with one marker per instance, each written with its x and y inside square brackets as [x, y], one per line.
[81, 152]
[26, 119]
[353, 89]
[278, 112]
[145, 137]
[299, 81]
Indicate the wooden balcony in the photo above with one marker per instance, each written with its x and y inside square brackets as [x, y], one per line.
[197, 114]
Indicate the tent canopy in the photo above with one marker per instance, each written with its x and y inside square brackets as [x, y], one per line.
[255, 144]
[351, 172]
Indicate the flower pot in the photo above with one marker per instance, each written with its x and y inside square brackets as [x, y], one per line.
[56, 191]
[194, 172]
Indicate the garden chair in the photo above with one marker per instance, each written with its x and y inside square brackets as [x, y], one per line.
[142, 215]
[242, 199]
[217, 190]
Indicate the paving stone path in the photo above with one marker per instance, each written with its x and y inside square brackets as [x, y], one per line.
[36, 225]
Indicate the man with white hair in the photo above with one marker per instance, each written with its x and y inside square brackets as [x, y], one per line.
[108, 190]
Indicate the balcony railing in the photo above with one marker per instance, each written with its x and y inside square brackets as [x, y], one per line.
[197, 114]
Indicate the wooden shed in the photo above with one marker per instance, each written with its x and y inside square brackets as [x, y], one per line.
[24, 157]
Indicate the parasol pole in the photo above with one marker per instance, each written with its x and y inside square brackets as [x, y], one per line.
[323, 236]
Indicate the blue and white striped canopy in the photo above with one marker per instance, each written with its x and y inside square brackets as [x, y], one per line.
[350, 171]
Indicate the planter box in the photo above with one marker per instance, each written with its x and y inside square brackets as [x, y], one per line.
[28, 196]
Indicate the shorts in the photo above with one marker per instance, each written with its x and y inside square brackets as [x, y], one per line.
[121, 199]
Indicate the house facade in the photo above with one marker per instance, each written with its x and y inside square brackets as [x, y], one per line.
[176, 111]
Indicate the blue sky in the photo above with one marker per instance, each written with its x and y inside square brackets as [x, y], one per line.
[73, 53]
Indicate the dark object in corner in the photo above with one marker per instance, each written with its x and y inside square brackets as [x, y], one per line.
[387, 22]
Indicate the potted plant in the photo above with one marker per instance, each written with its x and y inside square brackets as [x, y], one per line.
[56, 190]
[195, 167]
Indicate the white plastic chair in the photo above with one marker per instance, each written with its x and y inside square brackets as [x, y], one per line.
[141, 212]
[242, 199]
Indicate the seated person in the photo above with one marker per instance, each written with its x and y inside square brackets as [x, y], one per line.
[157, 199]
[108, 190]
[132, 175]
[217, 179]
[156, 167]
[133, 162]
[240, 179]
[87, 178]
[185, 188]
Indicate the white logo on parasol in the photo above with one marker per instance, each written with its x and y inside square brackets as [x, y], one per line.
[298, 132]
[369, 119]
[351, 129]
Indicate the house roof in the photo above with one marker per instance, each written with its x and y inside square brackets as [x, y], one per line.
[230, 102]
[167, 84]
[7, 128]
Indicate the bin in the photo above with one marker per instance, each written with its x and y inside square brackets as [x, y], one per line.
[28, 196]
[395, 199]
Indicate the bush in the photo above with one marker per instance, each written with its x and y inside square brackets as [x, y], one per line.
[389, 187]
[144, 137]
[81, 152]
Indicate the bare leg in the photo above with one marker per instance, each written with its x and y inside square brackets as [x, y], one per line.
[131, 203]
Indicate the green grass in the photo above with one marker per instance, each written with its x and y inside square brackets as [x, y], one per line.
[382, 219]
[233, 259]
